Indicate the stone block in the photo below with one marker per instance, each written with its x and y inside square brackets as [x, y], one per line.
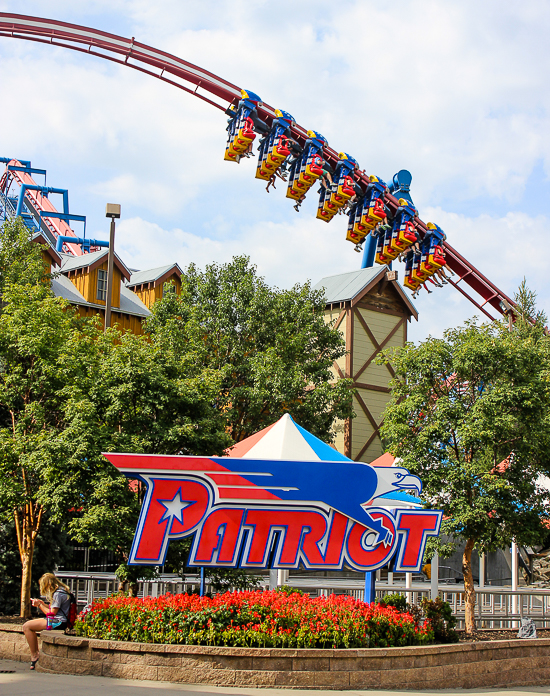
[295, 680]
[313, 664]
[7, 649]
[254, 678]
[197, 661]
[364, 680]
[129, 671]
[55, 650]
[128, 658]
[390, 677]
[314, 652]
[163, 648]
[372, 663]
[101, 655]
[333, 680]
[120, 645]
[226, 662]
[272, 664]
[161, 659]
[68, 666]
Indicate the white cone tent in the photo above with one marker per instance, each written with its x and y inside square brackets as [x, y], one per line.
[288, 441]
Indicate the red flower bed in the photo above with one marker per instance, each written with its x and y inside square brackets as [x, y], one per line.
[252, 619]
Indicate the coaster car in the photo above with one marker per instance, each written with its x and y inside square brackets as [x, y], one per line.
[433, 256]
[274, 146]
[403, 231]
[243, 124]
[307, 168]
[373, 211]
[342, 189]
[384, 252]
[356, 230]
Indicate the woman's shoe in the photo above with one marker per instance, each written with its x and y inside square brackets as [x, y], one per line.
[33, 663]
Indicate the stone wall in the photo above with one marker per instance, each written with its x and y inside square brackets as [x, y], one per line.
[13, 645]
[466, 665]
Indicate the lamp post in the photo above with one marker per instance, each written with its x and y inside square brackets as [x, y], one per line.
[112, 211]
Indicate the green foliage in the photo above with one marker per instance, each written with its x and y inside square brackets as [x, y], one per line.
[21, 261]
[69, 391]
[288, 590]
[396, 600]
[470, 415]
[271, 347]
[530, 322]
[226, 579]
[462, 417]
[442, 621]
[52, 549]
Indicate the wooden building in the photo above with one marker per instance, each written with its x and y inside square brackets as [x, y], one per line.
[49, 254]
[82, 280]
[371, 310]
[153, 284]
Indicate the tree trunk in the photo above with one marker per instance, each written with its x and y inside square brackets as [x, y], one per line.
[469, 589]
[27, 525]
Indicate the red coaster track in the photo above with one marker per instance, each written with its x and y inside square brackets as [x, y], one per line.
[197, 81]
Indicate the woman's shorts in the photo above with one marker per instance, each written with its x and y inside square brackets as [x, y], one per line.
[61, 626]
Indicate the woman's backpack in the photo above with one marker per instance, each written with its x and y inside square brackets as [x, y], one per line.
[73, 609]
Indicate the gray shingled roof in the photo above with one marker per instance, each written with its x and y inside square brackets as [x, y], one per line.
[151, 274]
[70, 262]
[129, 301]
[346, 286]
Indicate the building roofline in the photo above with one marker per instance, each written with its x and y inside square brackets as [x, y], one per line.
[174, 268]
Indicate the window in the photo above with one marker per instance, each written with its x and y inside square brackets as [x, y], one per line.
[101, 285]
[168, 288]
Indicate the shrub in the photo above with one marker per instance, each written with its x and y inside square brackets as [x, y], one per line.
[396, 600]
[252, 619]
[442, 621]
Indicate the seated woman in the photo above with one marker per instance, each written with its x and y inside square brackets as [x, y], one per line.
[58, 595]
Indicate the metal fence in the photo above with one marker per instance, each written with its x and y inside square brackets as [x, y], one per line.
[496, 607]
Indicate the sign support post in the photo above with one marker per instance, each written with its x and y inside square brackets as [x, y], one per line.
[370, 587]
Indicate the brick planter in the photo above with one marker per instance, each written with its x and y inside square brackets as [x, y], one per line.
[13, 645]
[467, 665]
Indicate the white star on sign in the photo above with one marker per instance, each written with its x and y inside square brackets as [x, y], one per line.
[174, 507]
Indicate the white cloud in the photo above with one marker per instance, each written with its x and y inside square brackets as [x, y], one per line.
[455, 91]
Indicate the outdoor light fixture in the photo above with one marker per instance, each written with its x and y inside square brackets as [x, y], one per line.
[112, 210]
[505, 306]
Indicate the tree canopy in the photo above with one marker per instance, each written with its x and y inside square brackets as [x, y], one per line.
[470, 415]
[69, 391]
[272, 348]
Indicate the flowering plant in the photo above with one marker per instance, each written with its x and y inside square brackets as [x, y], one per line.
[252, 619]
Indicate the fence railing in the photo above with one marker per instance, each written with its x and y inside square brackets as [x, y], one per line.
[496, 607]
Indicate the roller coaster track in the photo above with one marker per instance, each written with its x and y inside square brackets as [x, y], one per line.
[219, 93]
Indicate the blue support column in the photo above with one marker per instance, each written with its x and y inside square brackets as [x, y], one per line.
[202, 582]
[370, 585]
[369, 252]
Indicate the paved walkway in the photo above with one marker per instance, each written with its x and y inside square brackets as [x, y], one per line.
[23, 682]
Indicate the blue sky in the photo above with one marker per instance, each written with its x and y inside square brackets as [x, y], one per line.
[454, 91]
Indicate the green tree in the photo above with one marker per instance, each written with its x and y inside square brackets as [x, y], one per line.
[272, 348]
[140, 396]
[51, 549]
[470, 415]
[68, 392]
